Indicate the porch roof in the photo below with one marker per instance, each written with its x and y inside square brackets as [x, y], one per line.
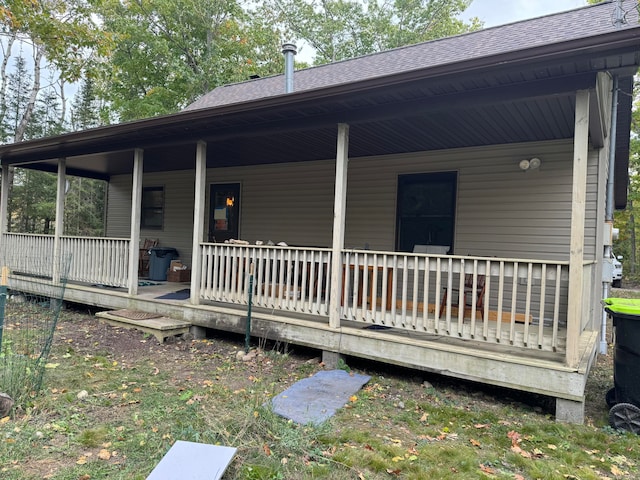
[513, 83]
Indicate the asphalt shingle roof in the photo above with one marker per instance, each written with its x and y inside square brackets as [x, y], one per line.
[577, 24]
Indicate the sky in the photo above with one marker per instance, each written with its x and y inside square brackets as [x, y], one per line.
[499, 12]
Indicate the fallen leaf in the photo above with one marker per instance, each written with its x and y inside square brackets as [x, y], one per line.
[514, 436]
[474, 442]
[482, 425]
[487, 469]
[266, 449]
[5, 419]
[397, 459]
[104, 454]
[538, 453]
[51, 365]
[82, 460]
[394, 472]
[84, 477]
[519, 451]
[353, 399]
[616, 471]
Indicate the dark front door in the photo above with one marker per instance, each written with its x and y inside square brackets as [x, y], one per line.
[224, 212]
[426, 210]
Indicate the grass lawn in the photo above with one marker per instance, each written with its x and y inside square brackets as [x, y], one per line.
[114, 401]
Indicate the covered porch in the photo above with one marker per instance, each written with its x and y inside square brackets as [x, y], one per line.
[501, 286]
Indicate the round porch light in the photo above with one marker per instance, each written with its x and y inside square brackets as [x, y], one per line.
[534, 162]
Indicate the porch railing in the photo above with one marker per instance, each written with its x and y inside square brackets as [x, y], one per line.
[28, 253]
[102, 261]
[285, 278]
[524, 302]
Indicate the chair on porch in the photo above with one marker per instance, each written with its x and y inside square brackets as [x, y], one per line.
[468, 295]
[144, 256]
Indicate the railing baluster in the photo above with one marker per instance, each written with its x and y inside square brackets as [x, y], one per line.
[514, 300]
[556, 309]
[542, 301]
[425, 294]
[462, 301]
[438, 298]
[527, 307]
[501, 283]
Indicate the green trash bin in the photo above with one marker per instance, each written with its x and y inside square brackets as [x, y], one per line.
[624, 397]
[159, 262]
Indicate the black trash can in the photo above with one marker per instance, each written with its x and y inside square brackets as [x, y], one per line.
[159, 262]
[624, 397]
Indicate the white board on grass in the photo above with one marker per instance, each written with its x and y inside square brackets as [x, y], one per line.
[193, 461]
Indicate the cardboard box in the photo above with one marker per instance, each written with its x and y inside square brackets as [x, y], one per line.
[179, 275]
[176, 265]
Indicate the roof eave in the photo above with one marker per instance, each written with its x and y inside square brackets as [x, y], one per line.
[52, 147]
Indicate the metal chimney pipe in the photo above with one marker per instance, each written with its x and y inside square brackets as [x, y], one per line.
[289, 51]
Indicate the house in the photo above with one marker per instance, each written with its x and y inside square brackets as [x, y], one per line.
[441, 206]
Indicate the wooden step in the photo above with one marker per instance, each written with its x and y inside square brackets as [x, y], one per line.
[159, 327]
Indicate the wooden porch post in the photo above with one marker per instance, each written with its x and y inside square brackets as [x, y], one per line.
[576, 252]
[198, 220]
[339, 207]
[4, 200]
[136, 203]
[59, 228]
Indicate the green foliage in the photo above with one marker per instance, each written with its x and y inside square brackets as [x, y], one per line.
[169, 52]
[341, 29]
[64, 28]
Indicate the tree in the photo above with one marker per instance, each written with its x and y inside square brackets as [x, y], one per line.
[169, 52]
[63, 39]
[86, 107]
[341, 29]
[60, 32]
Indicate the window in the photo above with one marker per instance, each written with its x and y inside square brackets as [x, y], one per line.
[426, 210]
[152, 214]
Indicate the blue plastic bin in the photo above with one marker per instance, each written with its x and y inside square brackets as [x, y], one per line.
[159, 262]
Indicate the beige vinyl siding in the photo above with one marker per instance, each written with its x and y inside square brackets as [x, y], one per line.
[291, 203]
[179, 194]
[500, 211]
[119, 206]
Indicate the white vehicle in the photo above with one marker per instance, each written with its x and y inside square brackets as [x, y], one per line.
[617, 270]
